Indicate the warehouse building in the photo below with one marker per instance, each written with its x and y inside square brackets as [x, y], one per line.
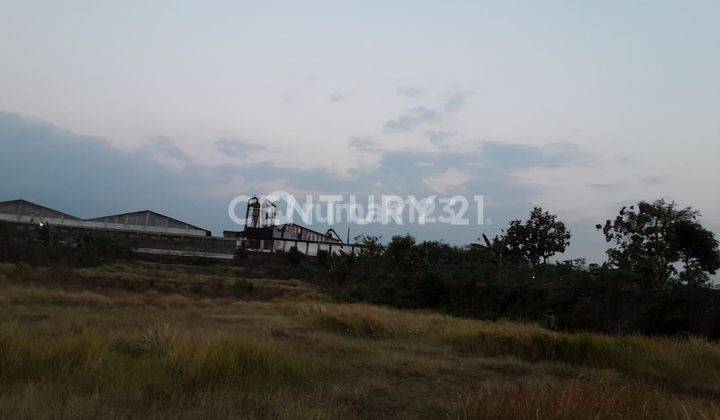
[154, 233]
[149, 232]
[149, 221]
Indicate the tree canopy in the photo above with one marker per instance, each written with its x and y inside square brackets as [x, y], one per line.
[662, 242]
[538, 239]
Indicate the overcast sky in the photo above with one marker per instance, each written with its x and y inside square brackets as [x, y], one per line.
[579, 107]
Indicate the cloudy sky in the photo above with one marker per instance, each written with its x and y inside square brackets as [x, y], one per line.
[579, 107]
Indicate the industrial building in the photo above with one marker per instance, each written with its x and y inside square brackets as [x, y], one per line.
[149, 232]
[22, 211]
[262, 234]
[154, 233]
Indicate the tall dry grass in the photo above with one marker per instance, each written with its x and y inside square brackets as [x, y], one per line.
[157, 365]
[38, 296]
[141, 283]
[78, 344]
[692, 364]
[159, 371]
[581, 399]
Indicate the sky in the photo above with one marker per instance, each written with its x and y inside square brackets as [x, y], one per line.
[578, 107]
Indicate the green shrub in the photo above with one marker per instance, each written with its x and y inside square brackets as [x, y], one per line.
[295, 256]
[324, 258]
[94, 246]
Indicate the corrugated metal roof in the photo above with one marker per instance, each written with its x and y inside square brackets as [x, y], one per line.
[28, 208]
[144, 213]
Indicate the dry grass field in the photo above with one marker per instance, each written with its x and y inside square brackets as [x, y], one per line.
[150, 340]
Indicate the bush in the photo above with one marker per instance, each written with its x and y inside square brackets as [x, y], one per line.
[324, 258]
[295, 256]
[240, 255]
[429, 290]
[6, 230]
[481, 282]
[94, 246]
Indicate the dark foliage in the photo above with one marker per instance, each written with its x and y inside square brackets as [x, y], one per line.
[538, 239]
[241, 254]
[510, 276]
[95, 246]
[663, 243]
[42, 246]
[295, 256]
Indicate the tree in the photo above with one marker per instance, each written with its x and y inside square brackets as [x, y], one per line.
[405, 256]
[401, 248]
[538, 239]
[663, 243]
[493, 254]
[372, 247]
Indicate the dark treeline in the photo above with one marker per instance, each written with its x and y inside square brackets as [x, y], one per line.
[655, 280]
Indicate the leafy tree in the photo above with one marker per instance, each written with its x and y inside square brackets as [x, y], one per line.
[494, 255]
[538, 239]
[325, 259]
[698, 252]
[372, 247]
[428, 289]
[437, 252]
[406, 256]
[663, 243]
[401, 248]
